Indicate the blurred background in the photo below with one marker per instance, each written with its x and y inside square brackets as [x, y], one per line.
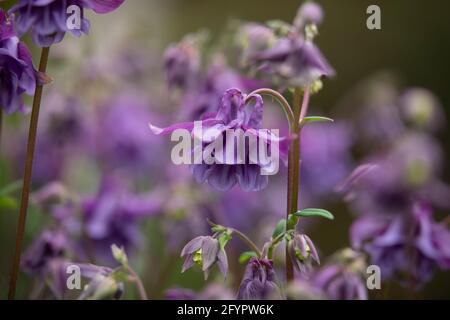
[117, 73]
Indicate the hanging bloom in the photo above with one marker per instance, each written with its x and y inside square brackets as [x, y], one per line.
[17, 74]
[303, 253]
[205, 251]
[235, 113]
[259, 281]
[406, 247]
[48, 19]
[308, 13]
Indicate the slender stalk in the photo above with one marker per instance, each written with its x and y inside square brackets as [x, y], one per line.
[27, 176]
[247, 241]
[139, 284]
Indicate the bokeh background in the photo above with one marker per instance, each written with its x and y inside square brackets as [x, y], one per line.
[412, 46]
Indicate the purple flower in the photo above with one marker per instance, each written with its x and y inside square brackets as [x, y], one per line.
[213, 291]
[111, 216]
[303, 253]
[17, 74]
[205, 251]
[47, 19]
[259, 281]
[294, 61]
[407, 247]
[235, 113]
[51, 244]
[340, 283]
[182, 62]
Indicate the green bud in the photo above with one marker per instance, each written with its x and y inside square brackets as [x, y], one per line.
[119, 255]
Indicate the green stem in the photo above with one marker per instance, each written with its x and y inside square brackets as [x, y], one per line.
[247, 241]
[27, 176]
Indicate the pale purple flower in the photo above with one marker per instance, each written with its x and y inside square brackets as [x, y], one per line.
[303, 253]
[205, 251]
[17, 74]
[308, 13]
[47, 19]
[259, 281]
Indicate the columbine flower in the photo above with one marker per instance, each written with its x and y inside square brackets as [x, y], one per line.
[303, 253]
[234, 113]
[308, 13]
[17, 75]
[258, 281]
[205, 251]
[407, 247]
[48, 19]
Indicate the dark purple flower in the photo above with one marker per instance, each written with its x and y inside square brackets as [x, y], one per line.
[47, 19]
[235, 113]
[340, 283]
[205, 251]
[51, 244]
[303, 253]
[17, 74]
[294, 61]
[259, 281]
[406, 247]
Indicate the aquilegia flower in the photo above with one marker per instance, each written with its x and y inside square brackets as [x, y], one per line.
[235, 113]
[205, 251]
[48, 19]
[303, 253]
[17, 75]
[259, 281]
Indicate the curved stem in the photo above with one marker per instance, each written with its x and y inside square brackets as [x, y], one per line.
[139, 284]
[247, 240]
[281, 100]
[27, 176]
[305, 104]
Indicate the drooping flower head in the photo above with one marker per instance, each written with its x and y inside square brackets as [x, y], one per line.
[17, 74]
[303, 253]
[48, 19]
[259, 281]
[235, 113]
[205, 251]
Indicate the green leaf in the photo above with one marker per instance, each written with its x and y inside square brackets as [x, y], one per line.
[10, 188]
[8, 203]
[245, 256]
[279, 229]
[307, 120]
[313, 212]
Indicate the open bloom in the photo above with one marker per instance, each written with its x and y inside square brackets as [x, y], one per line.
[48, 19]
[205, 251]
[17, 75]
[237, 114]
[303, 253]
[258, 281]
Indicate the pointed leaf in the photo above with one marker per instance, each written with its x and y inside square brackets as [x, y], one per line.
[279, 229]
[307, 120]
[247, 255]
[314, 212]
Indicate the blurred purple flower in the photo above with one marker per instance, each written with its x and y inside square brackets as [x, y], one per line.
[294, 61]
[309, 12]
[47, 19]
[213, 291]
[17, 74]
[205, 251]
[51, 244]
[406, 247]
[339, 283]
[234, 113]
[259, 282]
[303, 253]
